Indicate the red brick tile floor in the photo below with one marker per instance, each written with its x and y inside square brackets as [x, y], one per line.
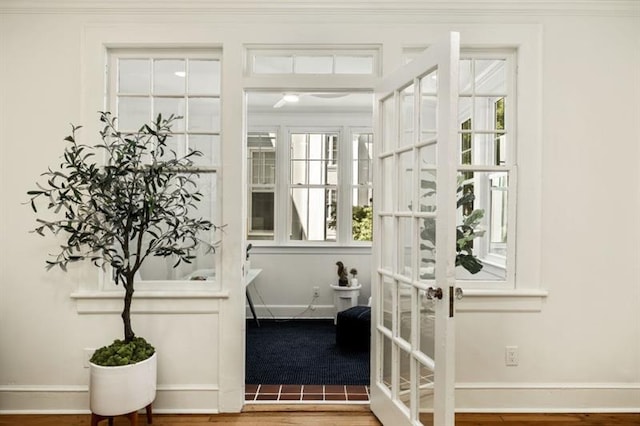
[307, 393]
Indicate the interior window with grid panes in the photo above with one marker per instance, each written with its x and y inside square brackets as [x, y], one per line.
[145, 85]
[486, 159]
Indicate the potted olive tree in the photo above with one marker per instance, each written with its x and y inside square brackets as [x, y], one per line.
[116, 204]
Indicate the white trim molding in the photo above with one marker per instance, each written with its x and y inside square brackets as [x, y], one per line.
[548, 397]
[310, 7]
[74, 399]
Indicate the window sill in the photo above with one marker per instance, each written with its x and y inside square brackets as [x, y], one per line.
[481, 300]
[147, 302]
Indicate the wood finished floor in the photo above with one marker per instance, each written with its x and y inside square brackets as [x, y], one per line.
[329, 418]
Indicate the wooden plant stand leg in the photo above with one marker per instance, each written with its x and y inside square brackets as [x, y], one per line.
[133, 417]
[149, 414]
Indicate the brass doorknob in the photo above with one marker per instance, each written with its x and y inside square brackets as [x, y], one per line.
[434, 293]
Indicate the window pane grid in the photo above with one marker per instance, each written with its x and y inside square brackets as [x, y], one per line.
[485, 165]
[283, 61]
[313, 187]
[144, 85]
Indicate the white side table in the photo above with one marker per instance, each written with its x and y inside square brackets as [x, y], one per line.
[344, 298]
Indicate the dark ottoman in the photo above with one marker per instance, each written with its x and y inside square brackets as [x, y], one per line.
[353, 328]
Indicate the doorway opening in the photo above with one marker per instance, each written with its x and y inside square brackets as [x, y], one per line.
[309, 204]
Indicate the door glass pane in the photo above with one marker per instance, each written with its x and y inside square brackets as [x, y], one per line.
[134, 76]
[204, 77]
[427, 188]
[404, 389]
[387, 178]
[428, 106]
[428, 117]
[387, 302]
[404, 311]
[406, 115]
[405, 251]
[429, 83]
[427, 323]
[387, 242]
[386, 362]
[389, 135]
[427, 248]
[169, 77]
[405, 181]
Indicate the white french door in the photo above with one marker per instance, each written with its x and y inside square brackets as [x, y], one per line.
[412, 356]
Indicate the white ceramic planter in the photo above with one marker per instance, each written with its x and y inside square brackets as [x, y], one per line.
[114, 391]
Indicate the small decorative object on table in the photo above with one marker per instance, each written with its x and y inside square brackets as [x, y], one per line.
[354, 279]
[343, 279]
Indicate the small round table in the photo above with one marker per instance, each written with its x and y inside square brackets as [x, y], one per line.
[344, 298]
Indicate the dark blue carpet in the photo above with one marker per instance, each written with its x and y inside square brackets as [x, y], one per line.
[301, 352]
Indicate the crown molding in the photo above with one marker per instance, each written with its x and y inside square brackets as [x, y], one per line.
[623, 8]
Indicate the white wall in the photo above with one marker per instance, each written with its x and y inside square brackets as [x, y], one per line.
[579, 346]
[284, 288]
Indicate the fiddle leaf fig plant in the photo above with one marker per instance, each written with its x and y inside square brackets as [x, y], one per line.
[121, 201]
[466, 231]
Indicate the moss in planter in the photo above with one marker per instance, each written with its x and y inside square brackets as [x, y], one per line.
[120, 353]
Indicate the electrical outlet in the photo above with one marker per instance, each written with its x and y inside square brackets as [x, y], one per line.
[511, 357]
[316, 291]
[88, 353]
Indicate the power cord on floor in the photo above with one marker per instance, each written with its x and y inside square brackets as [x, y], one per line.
[273, 317]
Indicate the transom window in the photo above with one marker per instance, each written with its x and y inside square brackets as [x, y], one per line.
[312, 60]
[148, 82]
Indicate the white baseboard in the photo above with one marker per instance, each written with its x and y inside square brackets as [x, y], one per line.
[470, 397]
[292, 311]
[548, 397]
[61, 399]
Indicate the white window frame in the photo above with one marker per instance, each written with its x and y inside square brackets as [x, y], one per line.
[113, 55]
[490, 261]
[344, 188]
